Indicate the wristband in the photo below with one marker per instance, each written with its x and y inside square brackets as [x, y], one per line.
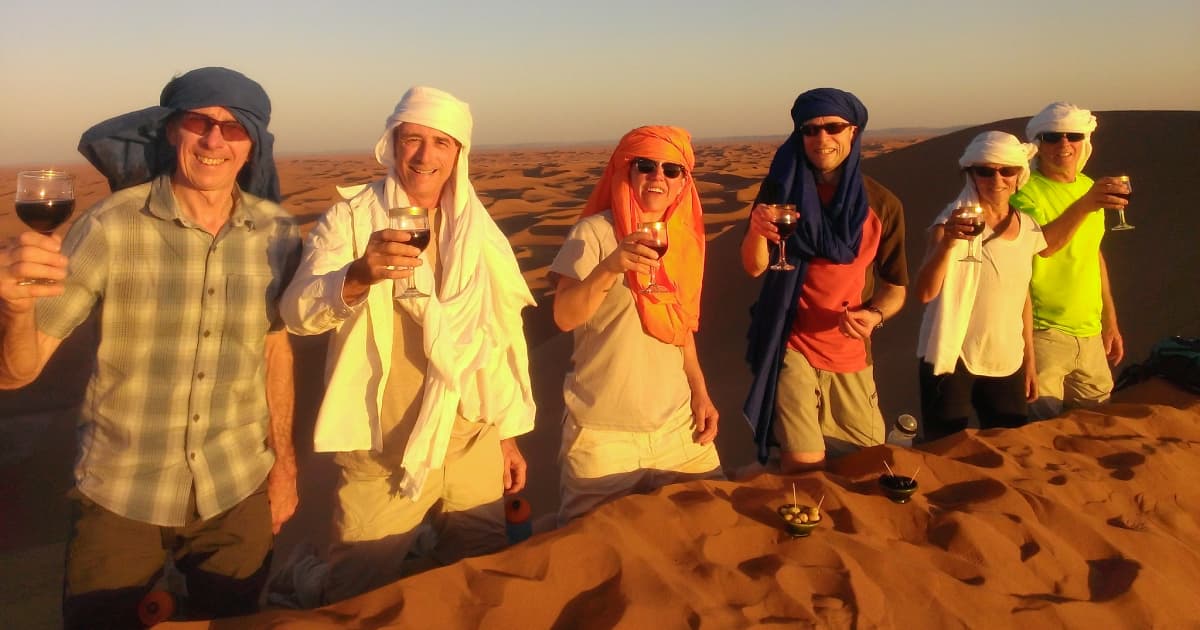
[877, 312]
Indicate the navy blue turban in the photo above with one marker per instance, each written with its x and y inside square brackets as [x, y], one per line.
[832, 231]
[132, 149]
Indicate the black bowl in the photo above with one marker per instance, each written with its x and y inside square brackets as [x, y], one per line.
[898, 488]
[794, 526]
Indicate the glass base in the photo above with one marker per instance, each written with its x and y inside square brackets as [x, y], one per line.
[409, 294]
[36, 281]
[781, 266]
[970, 259]
[656, 288]
[1121, 227]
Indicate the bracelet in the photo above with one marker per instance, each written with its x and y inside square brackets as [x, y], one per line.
[877, 312]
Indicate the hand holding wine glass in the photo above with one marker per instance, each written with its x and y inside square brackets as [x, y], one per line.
[415, 221]
[1122, 180]
[784, 217]
[970, 220]
[44, 200]
[655, 237]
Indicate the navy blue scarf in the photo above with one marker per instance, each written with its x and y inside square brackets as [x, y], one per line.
[832, 232]
[132, 149]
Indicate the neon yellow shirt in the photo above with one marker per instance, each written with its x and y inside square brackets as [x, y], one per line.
[1066, 286]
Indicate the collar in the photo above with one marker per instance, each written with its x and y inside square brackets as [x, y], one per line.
[163, 205]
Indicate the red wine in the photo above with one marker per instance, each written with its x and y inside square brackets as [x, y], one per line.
[657, 246]
[45, 215]
[420, 239]
[975, 228]
[785, 227]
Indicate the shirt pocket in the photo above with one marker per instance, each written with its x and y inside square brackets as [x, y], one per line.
[252, 305]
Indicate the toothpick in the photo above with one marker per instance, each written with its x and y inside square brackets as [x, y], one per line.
[914, 477]
[820, 502]
[794, 502]
[889, 469]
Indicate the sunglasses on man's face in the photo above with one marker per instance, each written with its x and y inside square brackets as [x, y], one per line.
[1054, 137]
[830, 129]
[646, 166]
[988, 172]
[199, 124]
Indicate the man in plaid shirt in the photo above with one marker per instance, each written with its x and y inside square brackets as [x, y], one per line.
[185, 441]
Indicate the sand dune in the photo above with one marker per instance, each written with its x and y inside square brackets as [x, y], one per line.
[1082, 521]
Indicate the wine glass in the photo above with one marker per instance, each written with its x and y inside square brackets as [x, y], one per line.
[44, 199]
[656, 239]
[974, 215]
[415, 221]
[784, 217]
[1121, 224]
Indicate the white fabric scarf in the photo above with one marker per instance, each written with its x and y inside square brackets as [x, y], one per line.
[950, 311]
[1064, 117]
[474, 335]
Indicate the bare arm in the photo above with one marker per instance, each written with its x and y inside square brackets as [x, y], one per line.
[937, 259]
[1030, 363]
[756, 244]
[24, 350]
[1059, 231]
[575, 301]
[704, 413]
[1114, 343]
[281, 398]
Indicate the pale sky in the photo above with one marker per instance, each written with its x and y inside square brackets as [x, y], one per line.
[566, 71]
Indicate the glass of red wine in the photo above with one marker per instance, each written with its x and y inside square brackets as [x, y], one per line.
[44, 200]
[656, 239]
[415, 221]
[784, 217]
[973, 216]
[1121, 224]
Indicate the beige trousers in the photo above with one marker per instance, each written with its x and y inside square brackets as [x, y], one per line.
[818, 410]
[1072, 372]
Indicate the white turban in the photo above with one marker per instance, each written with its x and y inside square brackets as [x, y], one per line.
[432, 108]
[995, 147]
[1068, 118]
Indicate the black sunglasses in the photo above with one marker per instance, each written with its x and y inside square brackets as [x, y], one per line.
[1054, 137]
[830, 129]
[670, 170]
[987, 172]
[200, 125]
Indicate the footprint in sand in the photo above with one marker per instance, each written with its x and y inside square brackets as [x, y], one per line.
[1122, 464]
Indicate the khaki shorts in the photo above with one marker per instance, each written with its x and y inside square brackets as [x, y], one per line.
[818, 410]
[1072, 372]
[600, 465]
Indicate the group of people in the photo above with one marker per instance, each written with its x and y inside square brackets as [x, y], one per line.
[198, 275]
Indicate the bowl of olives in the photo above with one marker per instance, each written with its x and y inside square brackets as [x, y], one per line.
[898, 488]
[799, 520]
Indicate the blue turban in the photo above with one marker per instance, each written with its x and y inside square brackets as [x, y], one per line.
[832, 232]
[132, 149]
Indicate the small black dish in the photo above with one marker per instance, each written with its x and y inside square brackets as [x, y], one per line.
[898, 488]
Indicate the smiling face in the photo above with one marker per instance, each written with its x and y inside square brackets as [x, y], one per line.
[1059, 160]
[826, 152]
[208, 161]
[655, 192]
[425, 158]
[994, 190]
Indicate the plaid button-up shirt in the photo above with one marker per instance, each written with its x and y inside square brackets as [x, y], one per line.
[177, 397]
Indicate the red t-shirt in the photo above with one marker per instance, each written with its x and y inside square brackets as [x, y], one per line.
[828, 285]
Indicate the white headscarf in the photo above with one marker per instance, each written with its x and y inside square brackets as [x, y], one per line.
[946, 319]
[1064, 117]
[473, 331]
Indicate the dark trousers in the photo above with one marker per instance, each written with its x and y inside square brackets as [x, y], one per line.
[113, 562]
[947, 400]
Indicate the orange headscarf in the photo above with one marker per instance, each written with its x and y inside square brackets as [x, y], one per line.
[668, 317]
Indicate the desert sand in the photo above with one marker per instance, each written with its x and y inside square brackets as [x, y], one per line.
[1082, 521]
